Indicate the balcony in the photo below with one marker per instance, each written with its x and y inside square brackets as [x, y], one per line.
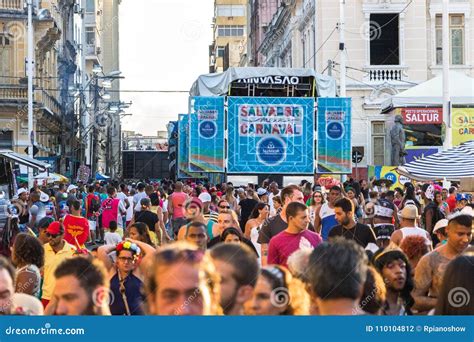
[92, 52]
[48, 102]
[12, 5]
[13, 93]
[385, 73]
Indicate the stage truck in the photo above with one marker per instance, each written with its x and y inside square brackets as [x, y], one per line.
[264, 118]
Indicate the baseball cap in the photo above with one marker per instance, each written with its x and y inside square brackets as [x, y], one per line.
[21, 191]
[196, 201]
[443, 223]
[240, 190]
[204, 197]
[71, 187]
[44, 197]
[261, 191]
[410, 212]
[467, 211]
[384, 208]
[55, 228]
[461, 197]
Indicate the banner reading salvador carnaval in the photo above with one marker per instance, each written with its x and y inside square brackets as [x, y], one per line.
[334, 135]
[270, 135]
[206, 144]
[463, 125]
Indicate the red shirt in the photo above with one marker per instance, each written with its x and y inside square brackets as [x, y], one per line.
[451, 200]
[89, 198]
[76, 228]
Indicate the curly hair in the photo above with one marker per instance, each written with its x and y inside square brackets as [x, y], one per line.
[28, 250]
[414, 246]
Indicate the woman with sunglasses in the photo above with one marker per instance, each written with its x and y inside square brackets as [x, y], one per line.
[316, 201]
[278, 293]
[127, 264]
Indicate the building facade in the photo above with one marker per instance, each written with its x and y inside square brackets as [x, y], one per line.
[390, 46]
[229, 34]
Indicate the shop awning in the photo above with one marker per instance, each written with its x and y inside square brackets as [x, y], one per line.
[453, 164]
[430, 93]
[24, 160]
[51, 177]
[217, 84]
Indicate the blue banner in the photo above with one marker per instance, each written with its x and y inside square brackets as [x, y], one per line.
[334, 136]
[172, 329]
[270, 135]
[206, 147]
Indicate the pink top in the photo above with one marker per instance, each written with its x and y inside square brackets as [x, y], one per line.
[177, 201]
[284, 244]
[109, 211]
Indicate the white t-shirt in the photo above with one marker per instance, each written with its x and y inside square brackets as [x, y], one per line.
[121, 209]
[165, 206]
[112, 238]
[136, 200]
[130, 209]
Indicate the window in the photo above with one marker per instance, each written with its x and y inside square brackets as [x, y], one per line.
[220, 51]
[384, 39]
[378, 142]
[90, 36]
[5, 56]
[230, 11]
[456, 36]
[90, 6]
[6, 139]
[230, 30]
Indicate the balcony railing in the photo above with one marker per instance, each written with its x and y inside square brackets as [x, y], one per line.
[385, 73]
[48, 101]
[13, 92]
[12, 5]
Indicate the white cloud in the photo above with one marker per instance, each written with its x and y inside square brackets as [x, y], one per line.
[163, 46]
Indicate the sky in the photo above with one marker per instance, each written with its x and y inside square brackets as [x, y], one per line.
[164, 45]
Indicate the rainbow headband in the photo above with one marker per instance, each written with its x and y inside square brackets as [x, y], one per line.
[128, 246]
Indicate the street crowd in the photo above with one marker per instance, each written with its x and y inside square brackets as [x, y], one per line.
[193, 248]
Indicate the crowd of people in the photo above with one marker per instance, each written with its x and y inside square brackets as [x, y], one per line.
[190, 248]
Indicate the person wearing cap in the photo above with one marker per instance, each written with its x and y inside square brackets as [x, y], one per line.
[408, 217]
[208, 214]
[22, 204]
[38, 207]
[461, 201]
[262, 195]
[440, 231]
[55, 251]
[193, 211]
[384, 212]
[430, 270]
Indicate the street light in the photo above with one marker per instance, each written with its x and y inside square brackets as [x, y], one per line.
[43, 14]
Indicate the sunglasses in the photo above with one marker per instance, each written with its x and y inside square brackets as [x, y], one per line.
[52, 235]
[224, 206]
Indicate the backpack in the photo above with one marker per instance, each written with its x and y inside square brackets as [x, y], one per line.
[95, 204]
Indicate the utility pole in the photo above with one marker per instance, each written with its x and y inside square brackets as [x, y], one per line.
[30, 70]
[446, 96]
[342, 81]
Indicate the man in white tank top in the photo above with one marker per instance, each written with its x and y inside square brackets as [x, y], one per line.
[408, 217]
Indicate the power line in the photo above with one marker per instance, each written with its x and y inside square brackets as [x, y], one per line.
[388, 22]
[322, 45]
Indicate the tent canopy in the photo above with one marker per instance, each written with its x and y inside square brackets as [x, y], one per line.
[217, 84]
[51, 177]
[453, 164]
[430, 93]
[24, 160]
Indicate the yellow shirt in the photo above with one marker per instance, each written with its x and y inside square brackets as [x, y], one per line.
[51, 262]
